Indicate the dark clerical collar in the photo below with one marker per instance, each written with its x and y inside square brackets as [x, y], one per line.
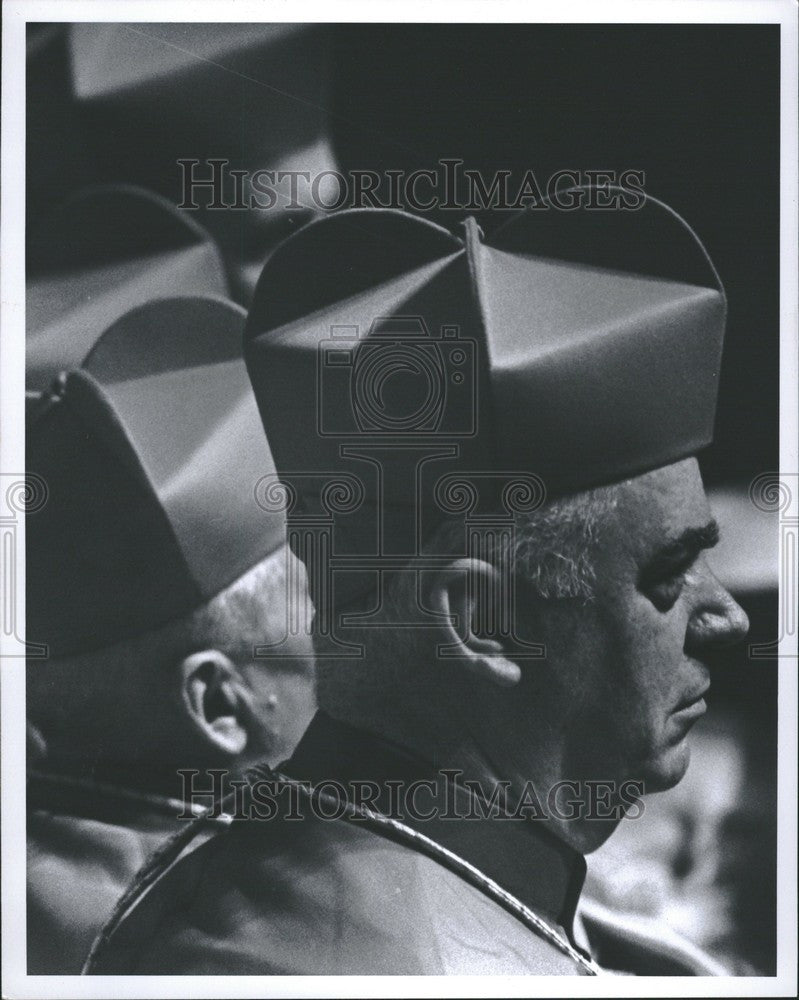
[523, 856]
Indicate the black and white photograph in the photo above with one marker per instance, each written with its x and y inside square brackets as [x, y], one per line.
[400, 499]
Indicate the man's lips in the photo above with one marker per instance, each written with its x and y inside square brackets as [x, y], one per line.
[694, 701]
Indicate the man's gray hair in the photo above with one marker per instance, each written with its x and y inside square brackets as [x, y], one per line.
[554, 546]
[550, 550]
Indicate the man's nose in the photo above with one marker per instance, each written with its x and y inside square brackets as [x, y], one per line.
[719, 620]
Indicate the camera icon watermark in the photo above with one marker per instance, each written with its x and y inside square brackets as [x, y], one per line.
[397, 417]
[397, 380]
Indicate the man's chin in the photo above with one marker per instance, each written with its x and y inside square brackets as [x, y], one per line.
[667, 769]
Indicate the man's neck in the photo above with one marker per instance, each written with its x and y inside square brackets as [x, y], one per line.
[576, 810]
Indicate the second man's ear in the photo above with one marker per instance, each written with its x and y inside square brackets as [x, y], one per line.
[211, 697]
[456, 593]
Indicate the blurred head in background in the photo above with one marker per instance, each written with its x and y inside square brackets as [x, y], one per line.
[191, 693]
[163, 592]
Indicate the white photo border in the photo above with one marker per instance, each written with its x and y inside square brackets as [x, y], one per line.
[16, 982]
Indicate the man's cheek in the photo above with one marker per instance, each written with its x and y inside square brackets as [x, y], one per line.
[647, 620]
[653, 643]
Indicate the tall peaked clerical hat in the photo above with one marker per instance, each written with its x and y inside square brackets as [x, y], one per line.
[104, 251]
[151, 453]
[431, 371]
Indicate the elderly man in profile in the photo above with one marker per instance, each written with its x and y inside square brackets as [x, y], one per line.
[514, 610]
[153, 578]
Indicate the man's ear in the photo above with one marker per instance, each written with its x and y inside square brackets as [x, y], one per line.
[458, 593]
[211, 695]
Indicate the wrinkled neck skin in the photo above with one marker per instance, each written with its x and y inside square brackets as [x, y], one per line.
[537, 784]
[470, 732]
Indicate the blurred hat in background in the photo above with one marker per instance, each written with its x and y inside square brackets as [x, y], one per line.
[151, 451]
[255, 95]
[104, 251]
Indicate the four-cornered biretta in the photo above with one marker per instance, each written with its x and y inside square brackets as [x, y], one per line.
[151, 452]
[580, 346]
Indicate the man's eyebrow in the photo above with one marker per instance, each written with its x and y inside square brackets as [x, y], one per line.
[682, 550]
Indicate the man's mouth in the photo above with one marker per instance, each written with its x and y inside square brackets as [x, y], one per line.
[694, 703]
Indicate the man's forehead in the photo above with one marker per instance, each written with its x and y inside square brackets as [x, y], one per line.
[658, 507]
